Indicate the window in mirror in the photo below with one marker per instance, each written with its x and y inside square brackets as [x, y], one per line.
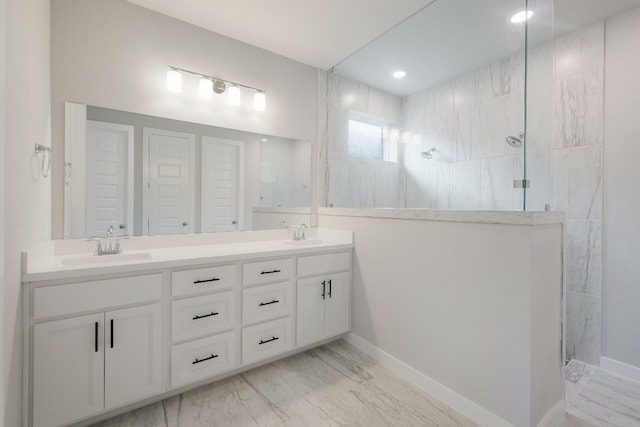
[369, 138]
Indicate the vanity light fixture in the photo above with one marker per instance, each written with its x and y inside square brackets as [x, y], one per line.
[209, 85]
[522, 16]
[206, 88]
[233, 96]
[399, 74]
[259, 101]
[174, 80]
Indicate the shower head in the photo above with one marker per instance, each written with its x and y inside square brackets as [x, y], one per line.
[514, 141]
[429, 153]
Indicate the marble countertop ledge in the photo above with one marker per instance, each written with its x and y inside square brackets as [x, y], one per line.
[486, 217]
[45, 262]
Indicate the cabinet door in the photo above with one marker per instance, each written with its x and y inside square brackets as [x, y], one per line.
[132, 354]
[337, 304]
[68, 369]
[310, 310]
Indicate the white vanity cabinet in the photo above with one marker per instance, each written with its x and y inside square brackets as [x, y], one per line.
[324, 299]
[116, 337]
[84, 364]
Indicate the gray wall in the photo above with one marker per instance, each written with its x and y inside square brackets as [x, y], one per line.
[621, 313]
[114, 54]
[27, 194]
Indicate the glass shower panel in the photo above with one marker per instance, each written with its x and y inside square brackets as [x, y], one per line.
[537, 161]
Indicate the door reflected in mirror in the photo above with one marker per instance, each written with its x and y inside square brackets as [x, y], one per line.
[145, 175]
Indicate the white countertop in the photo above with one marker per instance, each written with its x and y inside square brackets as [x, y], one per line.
[47, 261]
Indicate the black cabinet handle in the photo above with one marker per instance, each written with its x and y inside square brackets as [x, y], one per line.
[96, 336]
[269, 340]
[329, 288]
[275, 301]
[111, 333]
[213, 356]
[213, 279]
[270, 272]
[324, 288]
[213, 313]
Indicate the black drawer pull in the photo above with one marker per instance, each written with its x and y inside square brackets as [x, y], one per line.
[275, 301]
[270, 272]
[213, 356]
[213, 279]
[324, 289]
[111, 333]
[269, 340]
[213, 313]
[329, 288]
[96, 336]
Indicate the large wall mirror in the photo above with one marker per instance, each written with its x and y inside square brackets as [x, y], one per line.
[145, 175]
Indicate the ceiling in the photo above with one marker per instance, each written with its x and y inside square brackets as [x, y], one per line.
[320, 33]
[435, 40]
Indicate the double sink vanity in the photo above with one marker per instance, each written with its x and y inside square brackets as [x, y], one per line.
[105, 334]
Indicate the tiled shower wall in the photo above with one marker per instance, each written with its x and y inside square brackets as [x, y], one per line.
[467, 120]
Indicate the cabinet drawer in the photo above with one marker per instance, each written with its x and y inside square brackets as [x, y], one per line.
[202, 315]
[266, 340]
[266, 271]
[189, 282]
[97, 295]
[203, 358]
[266, 302]
[321, 264]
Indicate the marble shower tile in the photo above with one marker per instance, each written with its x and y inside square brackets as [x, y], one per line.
[578, 110]
[579, 51]
[539, 173]
[465, 185]
[560, 161]
[583, 260]
[585, 183]
[584, 313]
[607, 401]
[496, 183]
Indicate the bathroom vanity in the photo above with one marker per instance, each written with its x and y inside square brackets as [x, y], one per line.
[106, 334]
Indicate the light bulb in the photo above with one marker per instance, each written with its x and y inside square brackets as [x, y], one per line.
[399, 74]
[259, 101]
[174, 80]
[233, 96]
[206, 88]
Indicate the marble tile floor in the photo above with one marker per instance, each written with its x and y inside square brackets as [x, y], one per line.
[332, 385]
[337, 385]
[601, 399]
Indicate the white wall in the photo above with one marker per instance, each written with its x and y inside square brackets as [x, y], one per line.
[115, 54]
[621, 316]
[27, 195]
[475, 307]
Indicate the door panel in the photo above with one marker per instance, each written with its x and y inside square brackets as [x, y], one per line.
[68, 379]
[337, 305]
[133, 356]
[221, 182]
[109, 188]
[310, 311]
[169, 193]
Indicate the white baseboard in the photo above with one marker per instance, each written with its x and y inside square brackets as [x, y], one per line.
[554, 417]
[620, 368]
[456, 401]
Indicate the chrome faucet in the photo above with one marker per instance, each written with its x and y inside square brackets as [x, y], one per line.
[109, 248]
[298, 233]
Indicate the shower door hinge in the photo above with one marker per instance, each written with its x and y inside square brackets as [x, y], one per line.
[521, 183]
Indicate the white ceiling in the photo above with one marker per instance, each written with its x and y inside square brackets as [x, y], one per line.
[435, 40]
[320, 33]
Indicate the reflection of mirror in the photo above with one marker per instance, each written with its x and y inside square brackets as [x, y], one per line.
[145, 175]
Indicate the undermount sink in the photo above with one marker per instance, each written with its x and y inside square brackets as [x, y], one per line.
[307, 242]
[104, 259]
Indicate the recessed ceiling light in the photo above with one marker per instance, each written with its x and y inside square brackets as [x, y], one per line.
[399, 74]
[522, 16]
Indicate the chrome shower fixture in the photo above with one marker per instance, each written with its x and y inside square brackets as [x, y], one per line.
[514, 141]
[429, 153]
